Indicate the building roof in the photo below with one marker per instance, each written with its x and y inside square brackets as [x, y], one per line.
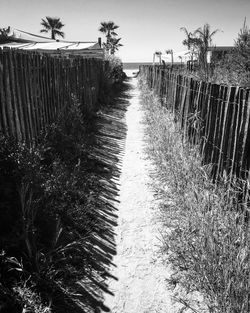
[220, 48]
[180, 56]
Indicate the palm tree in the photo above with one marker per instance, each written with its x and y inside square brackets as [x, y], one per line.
[114, 44]
[189, 36]
[4, 32]
[53, 25]
[205, 35]
[158, 54]
[108, 28]
[191, 41]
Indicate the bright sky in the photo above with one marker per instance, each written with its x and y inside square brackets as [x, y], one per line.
[145, 25]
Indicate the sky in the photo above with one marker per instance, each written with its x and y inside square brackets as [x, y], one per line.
[144, 25]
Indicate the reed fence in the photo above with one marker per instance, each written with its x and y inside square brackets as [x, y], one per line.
[35, 88]
[216, 117]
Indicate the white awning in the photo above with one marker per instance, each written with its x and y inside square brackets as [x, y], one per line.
[23, 40]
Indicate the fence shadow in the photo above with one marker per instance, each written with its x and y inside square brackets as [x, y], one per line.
[106, 161]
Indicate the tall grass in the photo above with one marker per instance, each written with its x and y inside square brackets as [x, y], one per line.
[46, 215]
[51, 200]
[205, 236]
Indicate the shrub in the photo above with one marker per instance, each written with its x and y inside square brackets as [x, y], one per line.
[115, 70]
[229, 71]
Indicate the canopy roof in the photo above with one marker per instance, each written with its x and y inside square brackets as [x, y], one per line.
[54, 45]
[16, 35]
[19, 39]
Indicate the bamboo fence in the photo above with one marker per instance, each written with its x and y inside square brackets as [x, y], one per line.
[216, 117]
[35, 88]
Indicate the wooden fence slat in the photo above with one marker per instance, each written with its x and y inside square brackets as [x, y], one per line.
[206, 148]
[231, 130]
[13, 91]
[31, 94]
[17, 70]
[7, 87]
[245, 160]
[219, 132]
[236, 135]
[215, 128]
[4, 122]
[41, 90]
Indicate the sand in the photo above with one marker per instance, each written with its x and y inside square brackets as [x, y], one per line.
[140, 284]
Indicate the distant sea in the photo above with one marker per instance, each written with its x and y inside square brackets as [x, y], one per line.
[134, 65]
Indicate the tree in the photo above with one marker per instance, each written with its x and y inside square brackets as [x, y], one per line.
[234, 67]
[188, 40]
[53, 25]
[108, 28]
[242, 48]
[112, 43]
[204, 35]
[191, 41]
[4, 32]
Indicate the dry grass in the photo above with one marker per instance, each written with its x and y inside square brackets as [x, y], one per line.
[205, 238]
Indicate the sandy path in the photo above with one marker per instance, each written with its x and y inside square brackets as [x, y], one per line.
[140, 286]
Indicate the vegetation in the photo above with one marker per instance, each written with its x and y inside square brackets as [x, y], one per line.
[234, 68]
[45, 214]
[207, 237]
[191, 42]
[49, 214]
[52, 25]
[242, 48]
[204, 36]
[4, 32]
[115, 70]
[114, 77]
[114, 45]
[112, 42]
[198, 43]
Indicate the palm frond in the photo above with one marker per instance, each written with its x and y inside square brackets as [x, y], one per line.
[53, 24]
[59, 33]
[45, 24]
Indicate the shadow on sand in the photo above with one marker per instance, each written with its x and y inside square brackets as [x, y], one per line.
[106, 161]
